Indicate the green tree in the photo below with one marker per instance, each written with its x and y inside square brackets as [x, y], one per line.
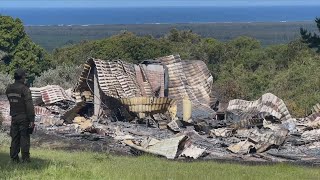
[125, 46]
[313, 40]
[20, 51]
[183, 36]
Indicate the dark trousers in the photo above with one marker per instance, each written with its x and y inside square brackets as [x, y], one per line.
[20, 140]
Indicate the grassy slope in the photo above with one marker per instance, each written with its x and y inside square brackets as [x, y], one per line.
[51, 37]
[49, 164]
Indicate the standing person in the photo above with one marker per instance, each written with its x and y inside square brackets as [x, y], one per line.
[22, 113]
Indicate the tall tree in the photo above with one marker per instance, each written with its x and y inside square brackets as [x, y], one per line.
[313, 40]
[18, 50]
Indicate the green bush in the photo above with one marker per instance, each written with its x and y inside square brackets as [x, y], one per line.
[5, 80]
[65, 76]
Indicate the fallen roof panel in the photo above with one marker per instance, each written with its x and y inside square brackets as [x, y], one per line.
[267, 105]
[50, 94]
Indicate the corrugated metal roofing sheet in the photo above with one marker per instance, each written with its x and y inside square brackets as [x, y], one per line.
[188, 78]
[50, 94]
[268, 104]
[192, 79]
[39, 111]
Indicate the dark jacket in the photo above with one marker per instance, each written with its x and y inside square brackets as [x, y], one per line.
[21, 105]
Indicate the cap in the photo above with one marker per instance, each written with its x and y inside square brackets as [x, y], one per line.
[20, 72]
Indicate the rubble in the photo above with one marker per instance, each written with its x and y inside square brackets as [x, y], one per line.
[310, 136]
[221, 132]
[175, 126]
[264, 140]
[191, 151]
[243, 147]
[315, 124]
[166, 147]
[166, 107]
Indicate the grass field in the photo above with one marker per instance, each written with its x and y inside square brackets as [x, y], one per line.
[49, 164]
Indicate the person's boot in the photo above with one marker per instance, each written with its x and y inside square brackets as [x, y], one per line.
[15, 160]
[25, 156]
[26, 160]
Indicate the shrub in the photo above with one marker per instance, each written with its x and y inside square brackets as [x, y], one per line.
[5, 80]
[65, 76]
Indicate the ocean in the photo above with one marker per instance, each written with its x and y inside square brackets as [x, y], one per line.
[161, 15]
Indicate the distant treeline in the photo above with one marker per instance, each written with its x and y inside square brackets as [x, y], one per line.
[51, 37]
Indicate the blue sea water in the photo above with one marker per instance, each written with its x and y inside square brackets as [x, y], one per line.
[86, 16]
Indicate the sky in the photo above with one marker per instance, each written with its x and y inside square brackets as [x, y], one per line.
[147, 3]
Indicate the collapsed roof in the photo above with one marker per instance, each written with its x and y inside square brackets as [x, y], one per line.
[163, 77]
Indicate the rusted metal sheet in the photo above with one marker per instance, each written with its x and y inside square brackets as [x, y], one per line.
[116, 78]
[190, 79]
[155, 75]
[150, 78]
[313, 116]
[267, 105]
[50, 94]
[36, 95]
[316, 108]
[41, 111]
[119, 79]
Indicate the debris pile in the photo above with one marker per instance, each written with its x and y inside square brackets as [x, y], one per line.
[165, 107]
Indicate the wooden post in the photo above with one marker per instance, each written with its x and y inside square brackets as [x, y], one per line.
[97, 98]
